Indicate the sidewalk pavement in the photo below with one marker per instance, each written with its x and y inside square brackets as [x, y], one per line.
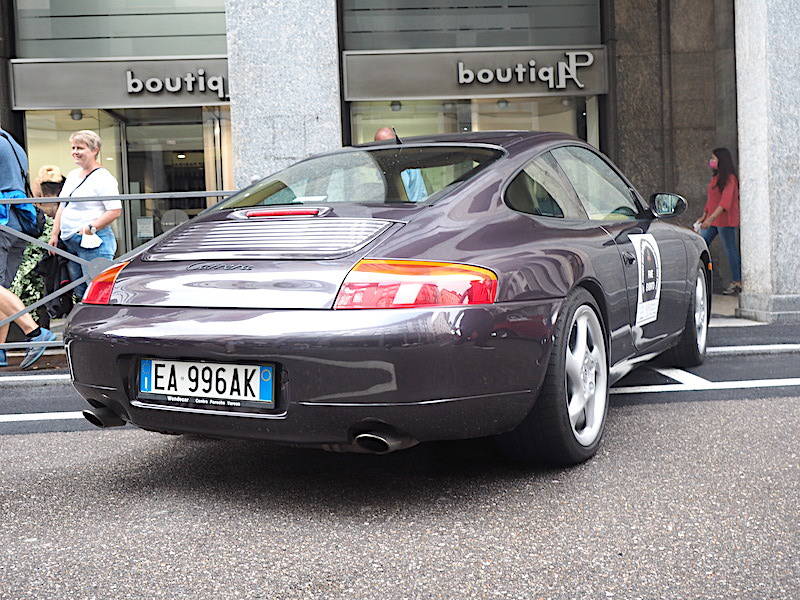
[728, 330]
[723, 312]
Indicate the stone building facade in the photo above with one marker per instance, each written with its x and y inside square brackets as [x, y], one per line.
[674, 97]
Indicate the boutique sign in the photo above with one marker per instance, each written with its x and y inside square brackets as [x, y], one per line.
[555, 76]
[451, 73]
[192, 82]
[119, 83]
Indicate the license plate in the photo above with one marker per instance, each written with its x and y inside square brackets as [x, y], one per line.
[207, 385]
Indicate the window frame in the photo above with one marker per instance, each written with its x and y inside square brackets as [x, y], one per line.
[635, 197]
[562, 178]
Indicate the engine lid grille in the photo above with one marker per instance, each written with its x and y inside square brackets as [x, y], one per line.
[304, 238]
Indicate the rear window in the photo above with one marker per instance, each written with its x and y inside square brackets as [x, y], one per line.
[380, 175]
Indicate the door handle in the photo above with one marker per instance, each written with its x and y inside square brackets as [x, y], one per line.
[629, 258]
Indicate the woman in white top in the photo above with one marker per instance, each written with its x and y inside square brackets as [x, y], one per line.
[76, 223]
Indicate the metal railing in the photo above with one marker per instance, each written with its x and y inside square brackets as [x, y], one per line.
[93, 267]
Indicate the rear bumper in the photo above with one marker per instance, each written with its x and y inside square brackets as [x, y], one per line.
[428, 374]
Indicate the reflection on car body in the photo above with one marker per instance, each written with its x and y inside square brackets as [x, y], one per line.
[502, 304]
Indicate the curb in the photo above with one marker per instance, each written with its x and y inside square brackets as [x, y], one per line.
[753, 349]
[49, 352]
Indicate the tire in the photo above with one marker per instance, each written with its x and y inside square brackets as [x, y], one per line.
[690, 350]
[576, 383]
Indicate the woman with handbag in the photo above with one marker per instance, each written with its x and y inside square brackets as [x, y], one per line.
[84, 227]
[721, 213]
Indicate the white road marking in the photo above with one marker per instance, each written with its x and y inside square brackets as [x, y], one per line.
[48, 416]
[682, 376]
[710, 385]
[12, 380]
[754, 349]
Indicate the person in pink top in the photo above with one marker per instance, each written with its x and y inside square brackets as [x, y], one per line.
[721, 213]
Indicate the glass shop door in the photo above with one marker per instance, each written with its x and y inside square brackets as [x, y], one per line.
[172, 150]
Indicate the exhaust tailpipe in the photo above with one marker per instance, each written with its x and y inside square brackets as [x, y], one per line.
[382, 443]
[102, 417]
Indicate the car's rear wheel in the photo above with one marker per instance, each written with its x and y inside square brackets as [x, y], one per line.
[567, 421]
[691, 348]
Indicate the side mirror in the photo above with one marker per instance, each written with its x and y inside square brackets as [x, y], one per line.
[667, 205]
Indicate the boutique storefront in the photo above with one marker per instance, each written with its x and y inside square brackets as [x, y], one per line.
[450, 69]
[164, 120]
[165, 126]
[445, 91]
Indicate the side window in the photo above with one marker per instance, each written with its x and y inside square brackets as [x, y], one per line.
[601, 191]
[538, 190]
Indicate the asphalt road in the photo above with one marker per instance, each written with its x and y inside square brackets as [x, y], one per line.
[694, 494]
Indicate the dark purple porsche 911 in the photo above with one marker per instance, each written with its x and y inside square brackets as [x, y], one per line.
[448, 287]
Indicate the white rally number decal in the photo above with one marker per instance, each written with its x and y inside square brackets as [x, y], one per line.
[649, 261]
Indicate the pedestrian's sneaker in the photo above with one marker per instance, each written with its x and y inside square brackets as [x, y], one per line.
[733, 289]
[36, 352]
[3, 359]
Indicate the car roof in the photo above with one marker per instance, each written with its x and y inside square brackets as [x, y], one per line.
[503, 139]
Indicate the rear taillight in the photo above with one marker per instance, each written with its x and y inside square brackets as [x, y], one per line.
[375, 283]
[99, 290]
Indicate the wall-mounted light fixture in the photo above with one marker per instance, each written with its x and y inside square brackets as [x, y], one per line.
[396, 106]
[76, 114]
[502, 104]
[181, 156]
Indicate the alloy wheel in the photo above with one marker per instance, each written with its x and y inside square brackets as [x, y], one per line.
[586, 371]
[701, 312]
